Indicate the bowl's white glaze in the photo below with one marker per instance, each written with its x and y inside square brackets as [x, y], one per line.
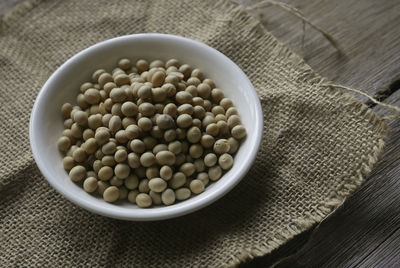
[46, 123]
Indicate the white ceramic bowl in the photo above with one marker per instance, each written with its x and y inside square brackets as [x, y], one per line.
[46, 123]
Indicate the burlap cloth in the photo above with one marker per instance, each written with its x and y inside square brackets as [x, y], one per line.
[318, 144]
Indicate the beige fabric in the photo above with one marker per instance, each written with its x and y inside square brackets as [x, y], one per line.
[318, 143]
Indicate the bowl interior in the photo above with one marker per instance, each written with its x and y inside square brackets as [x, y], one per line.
[63, 86]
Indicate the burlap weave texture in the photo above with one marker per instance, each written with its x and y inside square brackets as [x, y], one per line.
[318, 143]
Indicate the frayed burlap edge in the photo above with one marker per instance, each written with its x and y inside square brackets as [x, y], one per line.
[309, 76]
[237, 13]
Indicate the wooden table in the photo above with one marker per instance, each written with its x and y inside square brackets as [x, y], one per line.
[365, 232]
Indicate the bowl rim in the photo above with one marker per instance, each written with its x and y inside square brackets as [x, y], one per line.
[155, 213]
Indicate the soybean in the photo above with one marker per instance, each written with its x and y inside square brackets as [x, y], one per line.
[196, 186]
[168, 197]
[90, 184]
[77, 173]
[111, 194]
[182, 193]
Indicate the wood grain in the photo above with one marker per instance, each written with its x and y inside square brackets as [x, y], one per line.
[366, 30]
[365, 232]
[386, 254]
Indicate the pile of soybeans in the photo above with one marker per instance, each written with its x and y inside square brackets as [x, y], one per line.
[149, 133]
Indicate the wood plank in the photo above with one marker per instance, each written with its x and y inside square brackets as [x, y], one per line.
[386, 255]
[366, 30]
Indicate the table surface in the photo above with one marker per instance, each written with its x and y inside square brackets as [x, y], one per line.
[365, 231]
